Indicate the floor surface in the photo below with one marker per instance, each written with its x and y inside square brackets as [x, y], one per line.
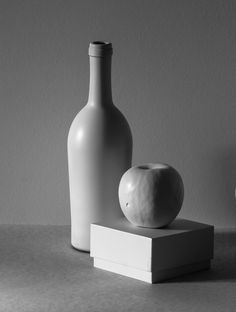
[40, 271]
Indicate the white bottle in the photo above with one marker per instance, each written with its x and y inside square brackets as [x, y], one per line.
[99, 152]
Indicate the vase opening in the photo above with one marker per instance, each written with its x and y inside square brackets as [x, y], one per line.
[100, 42]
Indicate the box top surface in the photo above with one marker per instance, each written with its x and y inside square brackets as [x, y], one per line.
[178, 226]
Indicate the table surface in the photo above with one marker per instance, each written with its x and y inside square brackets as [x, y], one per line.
[40, 271]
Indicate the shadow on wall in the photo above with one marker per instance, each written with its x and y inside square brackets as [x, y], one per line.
[223, 265]
[223, 180]
[227, 178]
[219, 184]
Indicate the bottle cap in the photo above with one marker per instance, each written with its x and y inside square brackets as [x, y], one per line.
[100, 48]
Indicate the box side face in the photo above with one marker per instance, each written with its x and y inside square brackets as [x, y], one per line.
[186, 248]
[166, 274]
[123, 270]
[121, 247]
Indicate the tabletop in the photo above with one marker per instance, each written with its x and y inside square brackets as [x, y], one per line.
[40, 271]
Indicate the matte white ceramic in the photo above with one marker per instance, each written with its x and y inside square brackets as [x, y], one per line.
[99, 152]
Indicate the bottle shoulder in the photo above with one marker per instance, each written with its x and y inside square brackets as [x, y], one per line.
[94, 116]
[100, 122]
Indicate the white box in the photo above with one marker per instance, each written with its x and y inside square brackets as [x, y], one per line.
[152, 255]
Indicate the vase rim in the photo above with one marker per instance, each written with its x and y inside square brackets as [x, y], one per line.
[100, 48]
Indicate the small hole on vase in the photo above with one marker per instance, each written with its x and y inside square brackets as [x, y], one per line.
[144, 167]
[127, 204]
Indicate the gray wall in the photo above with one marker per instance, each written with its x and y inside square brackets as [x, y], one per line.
[174, 74]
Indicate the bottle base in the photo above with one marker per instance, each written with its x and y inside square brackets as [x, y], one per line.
[80, 249]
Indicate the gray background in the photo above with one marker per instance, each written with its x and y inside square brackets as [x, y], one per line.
[173, 77]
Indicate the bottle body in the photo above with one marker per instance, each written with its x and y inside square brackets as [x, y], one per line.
[99, 152]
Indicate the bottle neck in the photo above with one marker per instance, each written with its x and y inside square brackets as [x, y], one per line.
[100, 81]
[100, 74]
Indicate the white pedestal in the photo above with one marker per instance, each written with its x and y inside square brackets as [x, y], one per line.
[152, 255]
